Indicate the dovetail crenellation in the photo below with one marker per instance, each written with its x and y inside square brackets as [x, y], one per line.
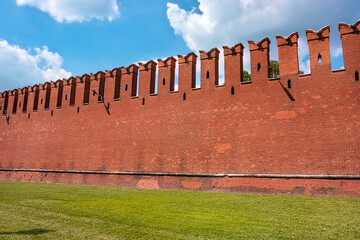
[236, 49]
[263, 44]
[291, 39]
[150, 65]
[315, 35]
[345, 28]
[125, 79]
[213, 53]
[189, 58]
[168, 62]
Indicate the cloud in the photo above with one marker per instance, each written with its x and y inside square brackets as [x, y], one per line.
[20, 67]
[303, 51]
[337, 52]
[226, 22]
[75, 10]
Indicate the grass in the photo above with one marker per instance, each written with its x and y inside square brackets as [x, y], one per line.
[54, 211]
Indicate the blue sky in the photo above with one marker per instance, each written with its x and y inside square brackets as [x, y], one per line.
[44, 40]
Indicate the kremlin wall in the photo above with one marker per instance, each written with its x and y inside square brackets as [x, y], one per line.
[292, 134]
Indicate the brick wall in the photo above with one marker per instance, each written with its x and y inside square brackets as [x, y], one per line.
[263, 127]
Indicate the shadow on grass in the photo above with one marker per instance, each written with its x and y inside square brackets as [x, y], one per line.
[27, 232]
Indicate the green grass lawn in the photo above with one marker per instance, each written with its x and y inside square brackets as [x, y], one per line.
[56, 211]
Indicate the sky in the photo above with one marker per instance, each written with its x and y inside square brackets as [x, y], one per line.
[47, 40]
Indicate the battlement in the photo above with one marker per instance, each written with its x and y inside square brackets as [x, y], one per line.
[316, 35]
[262, 45]
[236, 49]
[291, 39]
[213, 53]
[122, 83]
[345, 28]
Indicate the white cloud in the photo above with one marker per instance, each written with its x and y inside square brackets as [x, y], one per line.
[75, 10]
[303, 51]
[337, 52]
[304, 65]
[20, 67]
[226, 22]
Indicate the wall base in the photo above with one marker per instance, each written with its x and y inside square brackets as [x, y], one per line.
[267, 185]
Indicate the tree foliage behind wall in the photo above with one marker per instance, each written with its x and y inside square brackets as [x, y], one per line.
[247, 76]
[274, 71]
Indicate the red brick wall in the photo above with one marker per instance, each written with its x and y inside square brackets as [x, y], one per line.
[311, 128]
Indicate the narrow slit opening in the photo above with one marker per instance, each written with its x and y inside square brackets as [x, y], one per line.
[143, 101]
[163, 81]
[259, 67]
[232, 90]
[126, 87]
[184, 96]
[356, 76]
[207, 75]
[319, 58]
[289, 83]
[78, 109]
[52, 112]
